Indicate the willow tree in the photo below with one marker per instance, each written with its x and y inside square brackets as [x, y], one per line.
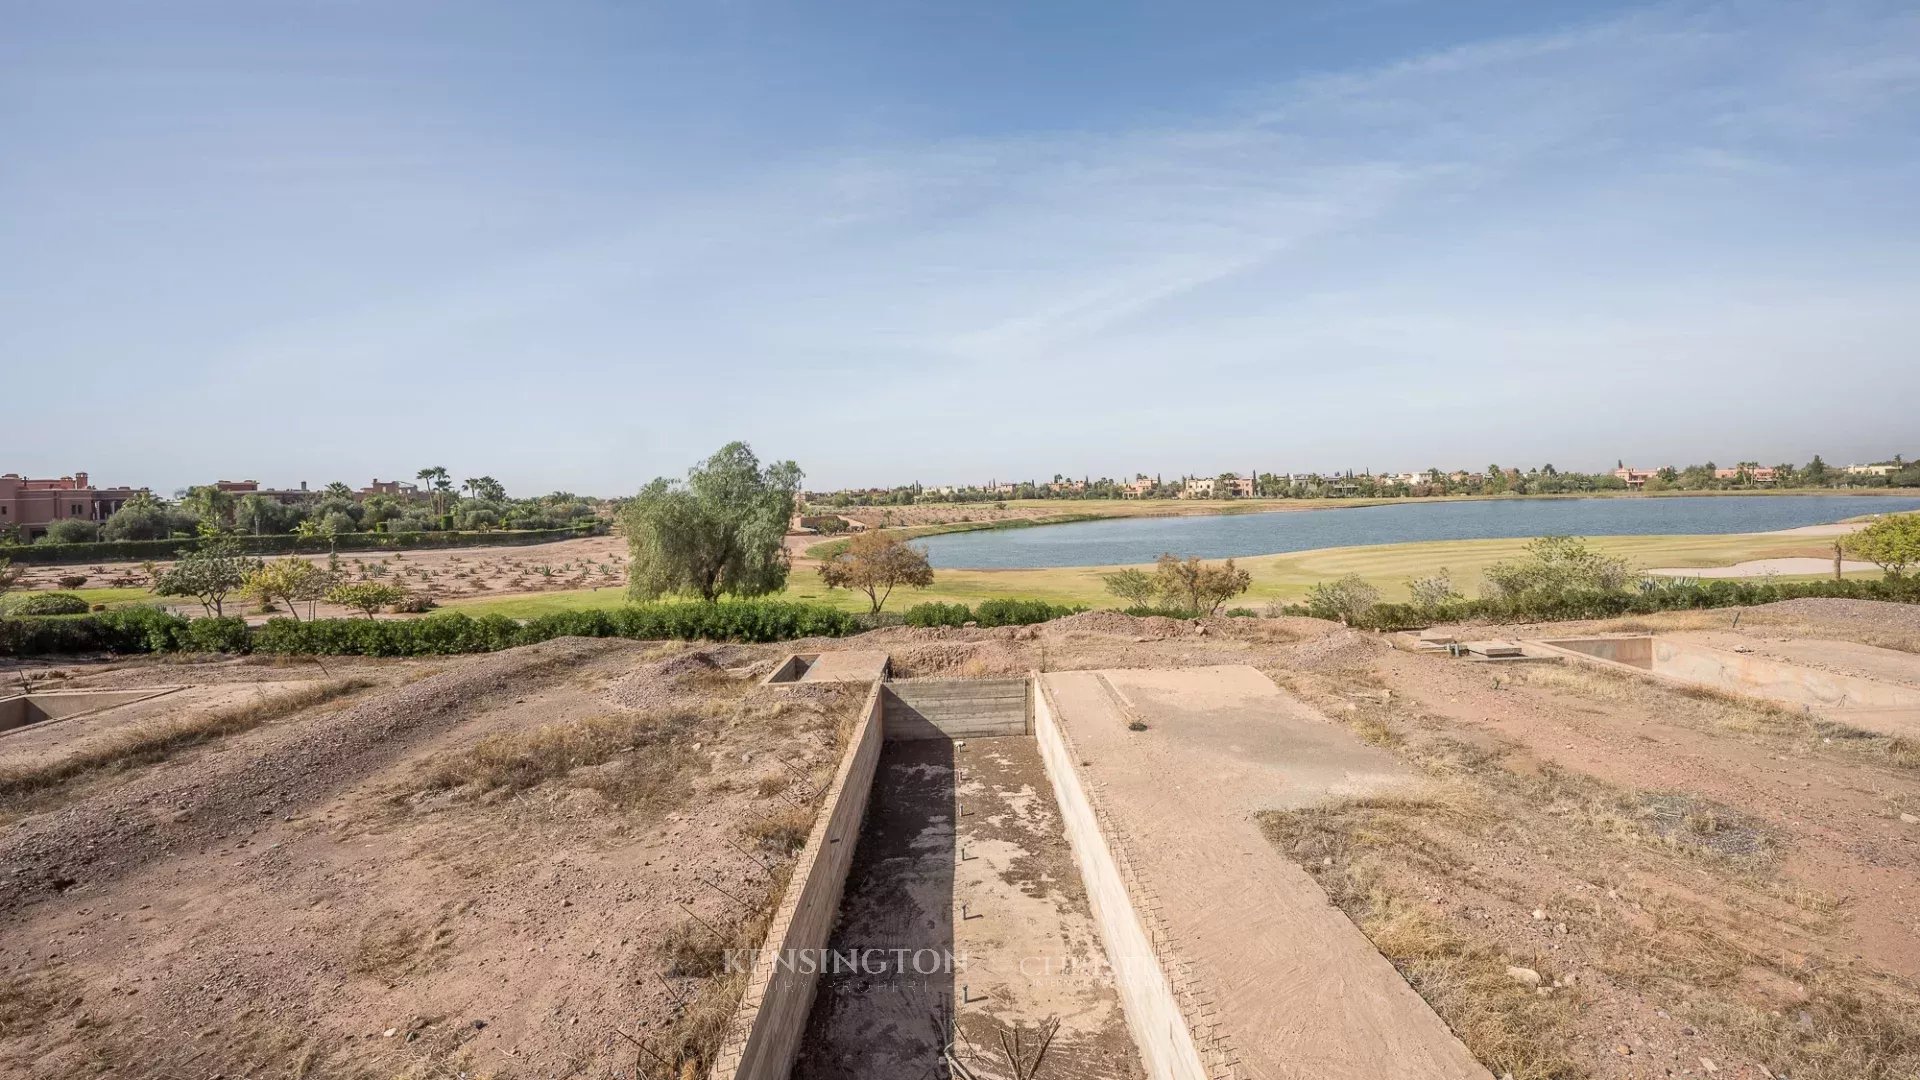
[722, 530]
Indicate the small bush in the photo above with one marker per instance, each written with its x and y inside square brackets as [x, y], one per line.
[998, 612]
[1347, 600]
[71, 581]
[49, 603]
[936, 613]
[227, 634]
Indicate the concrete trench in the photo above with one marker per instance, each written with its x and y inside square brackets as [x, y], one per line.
[1870, 704]
[968, 897]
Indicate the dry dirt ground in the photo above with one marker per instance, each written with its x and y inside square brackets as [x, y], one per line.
[510, 865]
[595, 562]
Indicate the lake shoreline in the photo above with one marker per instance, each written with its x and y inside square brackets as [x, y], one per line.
[1123, 540]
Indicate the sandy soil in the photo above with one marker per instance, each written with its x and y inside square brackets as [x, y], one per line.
[452, 854]
[307, 898]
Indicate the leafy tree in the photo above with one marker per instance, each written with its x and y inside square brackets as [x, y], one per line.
[1196, 586]
[71, 531]
[209, 572]
[1346, 599]
[722, 531]
[210, 504]
[144, 517]
[1892, 542]
[367, 597]
[876, 563]
[290, 581]
[1137, 587]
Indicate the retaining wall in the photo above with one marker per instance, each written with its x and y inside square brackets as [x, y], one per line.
[957, 708]
[772, 1016]
[1147, 995]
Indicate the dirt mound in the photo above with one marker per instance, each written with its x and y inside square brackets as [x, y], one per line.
[1343, 648]
[959, 659]
[266, 772]
[1118, 623]
[1879, 614]
[656, 684]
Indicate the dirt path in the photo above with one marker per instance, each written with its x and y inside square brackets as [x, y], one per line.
[1298, 991]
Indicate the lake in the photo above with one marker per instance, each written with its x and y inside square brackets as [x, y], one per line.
[1140, 540]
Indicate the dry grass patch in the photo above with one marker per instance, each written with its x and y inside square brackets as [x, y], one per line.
[21, 786]
[1505, 1023]
[640, 762]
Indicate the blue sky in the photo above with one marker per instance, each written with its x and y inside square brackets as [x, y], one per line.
[579, 245]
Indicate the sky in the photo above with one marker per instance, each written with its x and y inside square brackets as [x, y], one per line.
[579, 245]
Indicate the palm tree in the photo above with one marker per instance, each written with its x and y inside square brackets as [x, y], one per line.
[435, 478]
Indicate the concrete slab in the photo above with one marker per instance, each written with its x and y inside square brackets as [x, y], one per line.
[847, 666]
[1297, 990]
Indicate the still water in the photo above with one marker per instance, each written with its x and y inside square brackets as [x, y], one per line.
[1139, 540]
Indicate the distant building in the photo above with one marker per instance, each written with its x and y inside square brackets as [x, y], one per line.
[1198, 487]
[31, 505]
[1759, 474]
[397, 488]
[1139, 488]
[1070, 487]
[283, 496]
[1872, 470]
[1635, 478]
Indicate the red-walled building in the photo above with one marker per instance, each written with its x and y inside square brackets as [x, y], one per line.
[31, 505]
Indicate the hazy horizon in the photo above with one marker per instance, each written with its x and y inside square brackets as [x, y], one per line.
[581, 245]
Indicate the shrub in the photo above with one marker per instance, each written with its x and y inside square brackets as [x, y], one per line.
[222, 634]
[71, 531]
[1001, 612]
[1348, 599]
[71, 581]
[128, 630]
[936, 613]
[48, 603]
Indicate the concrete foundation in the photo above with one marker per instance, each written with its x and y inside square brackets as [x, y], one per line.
[1869, 704]
[24, 710]
[958, 708]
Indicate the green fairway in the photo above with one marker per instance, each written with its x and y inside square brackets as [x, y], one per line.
[1275, 577]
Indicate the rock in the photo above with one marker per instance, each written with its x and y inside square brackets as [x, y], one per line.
[1909, 819]
[1539, 915]
[1707, 1065]
[1524, 976]
[1623, 1050]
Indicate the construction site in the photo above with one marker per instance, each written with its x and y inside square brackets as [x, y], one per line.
[1100, 847]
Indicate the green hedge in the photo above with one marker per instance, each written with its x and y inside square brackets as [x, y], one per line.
[143, 630]
[105, 551]
[1676, 596]
[126, 630]
[49, 603]
[989, 613]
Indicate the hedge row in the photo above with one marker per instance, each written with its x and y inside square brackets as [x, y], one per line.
[125, 630]
[1676, 596]
[146, 630]
[988, 613]
[104, 551]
